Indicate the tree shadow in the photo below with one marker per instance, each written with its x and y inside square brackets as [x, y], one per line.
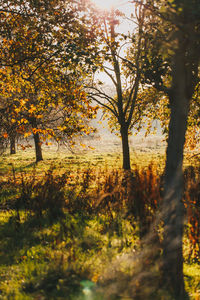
[17, 236]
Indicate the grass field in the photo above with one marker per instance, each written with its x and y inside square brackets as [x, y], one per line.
[63, 235]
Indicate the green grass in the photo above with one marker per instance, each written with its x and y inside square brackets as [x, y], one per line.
[63, 160]
[39, 260]
[49, 258]
[25, 160]
[192, 280]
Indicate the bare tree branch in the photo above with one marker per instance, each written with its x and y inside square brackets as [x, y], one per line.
[111, 77]
[127, 61]
[102, 94]
[104, 105]
[98, 94]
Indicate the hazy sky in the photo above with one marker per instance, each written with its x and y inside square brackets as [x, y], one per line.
[124, 27]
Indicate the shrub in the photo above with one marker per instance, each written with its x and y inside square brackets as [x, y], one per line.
[46, 196]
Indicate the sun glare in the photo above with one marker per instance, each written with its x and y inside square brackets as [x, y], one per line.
[105, 4]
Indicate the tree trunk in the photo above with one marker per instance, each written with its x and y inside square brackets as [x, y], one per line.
[38, 148]
[125, 148]
[12, 145]
[173, 209]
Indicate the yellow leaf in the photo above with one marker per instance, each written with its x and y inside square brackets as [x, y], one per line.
[83, 145]
[27, 134]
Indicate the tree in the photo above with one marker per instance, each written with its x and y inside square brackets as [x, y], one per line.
[40, 31]
[126, 106]
[161, 112]
[8, 127]
[177, 39]
[52, 105]
[51, 35]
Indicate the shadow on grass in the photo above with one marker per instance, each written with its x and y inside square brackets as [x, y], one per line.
[45, 275]
[19, 235]
[56, 283]
[15, 236]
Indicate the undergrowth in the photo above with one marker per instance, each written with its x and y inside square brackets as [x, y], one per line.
[61, 232]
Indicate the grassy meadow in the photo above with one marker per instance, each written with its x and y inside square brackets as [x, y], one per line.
[71, 227]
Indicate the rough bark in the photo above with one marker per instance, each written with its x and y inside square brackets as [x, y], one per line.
[125, 148]
[38, 148]
[12, 145]
[173, 209]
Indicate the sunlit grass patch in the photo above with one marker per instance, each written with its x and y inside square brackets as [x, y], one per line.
[54, 259]
[67, 219]
[192, 280]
